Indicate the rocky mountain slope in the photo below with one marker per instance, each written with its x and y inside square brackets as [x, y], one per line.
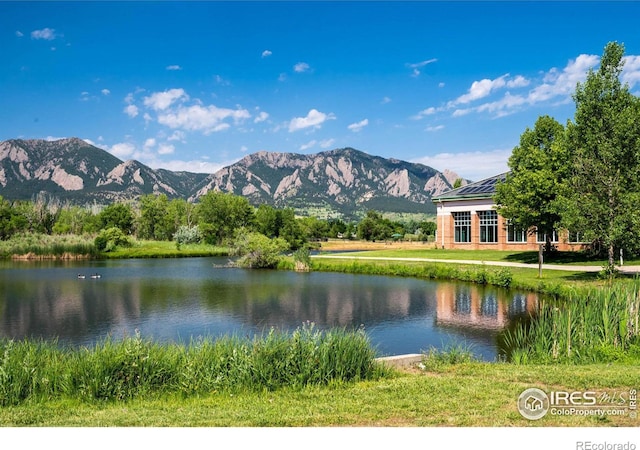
[337, 182]
[71, 169]
[345, 180]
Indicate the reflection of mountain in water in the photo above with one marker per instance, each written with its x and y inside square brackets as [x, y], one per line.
[462, 305]
[184, 298]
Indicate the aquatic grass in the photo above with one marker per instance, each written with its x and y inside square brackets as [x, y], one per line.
[116, 370]
[44, 245]
[436, 358]
[588, 325]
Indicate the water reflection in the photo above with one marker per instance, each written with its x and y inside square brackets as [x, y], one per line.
[487, 308]
[171, 300]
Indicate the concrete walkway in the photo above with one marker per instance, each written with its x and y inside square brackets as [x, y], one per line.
[566, 267]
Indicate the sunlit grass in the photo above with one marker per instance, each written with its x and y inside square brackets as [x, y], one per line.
[459, 395]
[133, 367]
[164, 249]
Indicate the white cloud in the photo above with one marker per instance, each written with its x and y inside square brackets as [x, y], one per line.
[425, 112]
[122, 150]
[301, 67]
[631, 70]
[470, 165]
[177, 136]
[313, 119]
[326, 143]
[355, 127]
[194, 166]
[174, 67]
[417, 66]
[481, 89]
[282, 77]
[266, 53]
[165, 149]
[441, 85]
[261, 117]
[385, 100]
[563, 84]
[221, 81]
[19, 33]
[435, 128]
[47, 34]
[105, 92]
[131, 110]
[308, 145]
[518, 81]
[149, 143]
[160, 101]
[207, 119]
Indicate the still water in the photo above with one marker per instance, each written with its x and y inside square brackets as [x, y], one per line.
[180, 299]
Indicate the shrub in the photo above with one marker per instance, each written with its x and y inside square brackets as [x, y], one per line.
[257, 251]
[188, 235]
[111, 238]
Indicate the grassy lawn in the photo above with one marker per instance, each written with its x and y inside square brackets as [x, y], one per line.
[463, 395]
[528, 257]
[428, 250]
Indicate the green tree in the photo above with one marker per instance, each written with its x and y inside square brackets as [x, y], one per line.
[603, 193]
[220, 214]
[73, 220]
[374, 227]
[11, 221]
[118, 215]
[155, 220]
[267, 220]
[538, 167]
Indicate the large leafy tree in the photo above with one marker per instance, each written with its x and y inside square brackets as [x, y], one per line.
[154, 221]
[538, 165]
[603, 193]
[220, 214]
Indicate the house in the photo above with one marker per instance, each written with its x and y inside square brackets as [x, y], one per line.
[467, 219]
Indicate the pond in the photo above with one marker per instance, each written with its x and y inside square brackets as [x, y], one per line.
[176, 300]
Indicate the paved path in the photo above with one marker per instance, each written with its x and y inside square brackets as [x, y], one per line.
[566, 267]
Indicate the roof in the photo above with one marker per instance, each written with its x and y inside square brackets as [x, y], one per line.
[480, 189]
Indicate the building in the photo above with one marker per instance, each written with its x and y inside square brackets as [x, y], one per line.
[467, 219]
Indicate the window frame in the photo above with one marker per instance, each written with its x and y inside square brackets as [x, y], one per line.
[488, 226]
[461, 227]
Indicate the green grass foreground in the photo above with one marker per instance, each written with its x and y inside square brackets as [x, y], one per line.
[135, 367]
[460, 395]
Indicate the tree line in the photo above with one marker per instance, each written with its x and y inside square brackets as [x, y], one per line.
[214, 220]
[583, 176]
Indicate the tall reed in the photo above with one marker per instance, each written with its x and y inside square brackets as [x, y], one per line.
[589, 325]
[44, 245]
[121, 370]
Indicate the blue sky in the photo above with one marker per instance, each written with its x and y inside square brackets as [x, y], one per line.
[198, 85]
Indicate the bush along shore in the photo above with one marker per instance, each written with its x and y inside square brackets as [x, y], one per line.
[133, 367]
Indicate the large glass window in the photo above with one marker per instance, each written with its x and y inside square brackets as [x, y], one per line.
[462, 226]
[541, 237]
[488, 226]
[576, 237]
[516, 234]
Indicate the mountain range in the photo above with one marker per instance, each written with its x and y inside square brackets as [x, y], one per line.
[343, 182]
